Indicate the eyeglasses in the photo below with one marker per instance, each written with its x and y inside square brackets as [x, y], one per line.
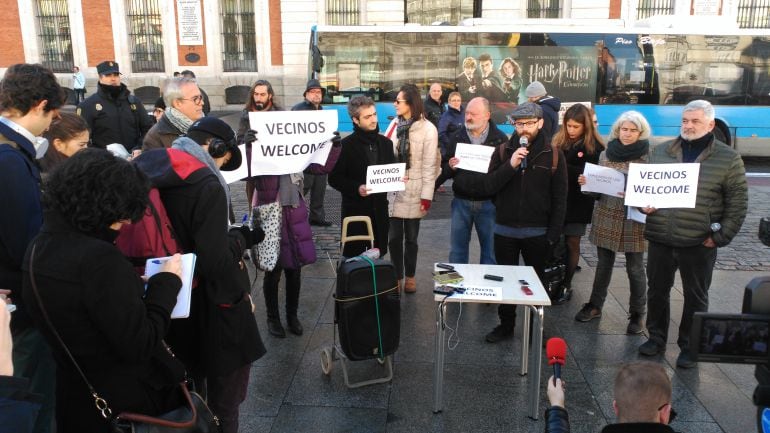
[400, 101]
[198, 99]
[523, 124]
[671, 412]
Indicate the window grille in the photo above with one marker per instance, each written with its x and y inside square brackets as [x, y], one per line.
[754, 14]
[145, 35]
[53, 32]
[239, 40]
[427, 12]
[543, 9]
[648, 8]
[343, 12]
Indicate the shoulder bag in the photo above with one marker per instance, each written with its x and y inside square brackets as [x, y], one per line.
[194, 417]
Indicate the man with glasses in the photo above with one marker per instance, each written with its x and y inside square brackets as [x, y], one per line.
[112, 113]
[315, 183]
[642, 401]
[184, 105]
[686, 239]
[530, 205]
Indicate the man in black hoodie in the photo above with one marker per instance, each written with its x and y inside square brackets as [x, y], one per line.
[551, 105]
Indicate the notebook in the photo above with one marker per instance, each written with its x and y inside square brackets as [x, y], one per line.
[182, 308]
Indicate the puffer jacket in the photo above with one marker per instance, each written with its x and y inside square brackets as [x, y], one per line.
[424, 167]
[722, 197]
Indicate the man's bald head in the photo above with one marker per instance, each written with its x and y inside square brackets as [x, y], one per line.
[477, 115]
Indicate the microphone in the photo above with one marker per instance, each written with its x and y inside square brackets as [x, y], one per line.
[523, 143]
[556, 352]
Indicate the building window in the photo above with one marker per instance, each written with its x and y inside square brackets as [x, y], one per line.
[427, 12]
[239, 40]
[53, 33]
[343, 12]
[648, 8]
[754, 14]
[543, 9]
[145, 35]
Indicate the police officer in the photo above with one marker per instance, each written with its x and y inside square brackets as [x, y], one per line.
[113, 114]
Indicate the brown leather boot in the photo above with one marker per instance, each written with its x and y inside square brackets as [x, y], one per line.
[410, 285]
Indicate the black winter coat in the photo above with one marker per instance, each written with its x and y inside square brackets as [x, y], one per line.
[462, 186]
[93, 297]
[121, 120]
[580, 206]
[433, 110]
[349, 173]
[221, 333]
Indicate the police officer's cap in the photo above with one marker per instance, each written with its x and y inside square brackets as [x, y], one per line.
[107, 67]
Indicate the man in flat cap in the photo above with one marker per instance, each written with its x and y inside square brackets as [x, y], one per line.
[112, 113]
[530, 204]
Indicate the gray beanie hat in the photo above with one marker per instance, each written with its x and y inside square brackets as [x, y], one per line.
[527, 110]
[535, 90]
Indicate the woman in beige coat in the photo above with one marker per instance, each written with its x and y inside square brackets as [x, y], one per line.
[415, 143]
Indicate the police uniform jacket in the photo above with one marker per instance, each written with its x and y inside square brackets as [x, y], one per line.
[122, 119]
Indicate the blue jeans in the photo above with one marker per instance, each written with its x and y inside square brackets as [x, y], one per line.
[464, 214]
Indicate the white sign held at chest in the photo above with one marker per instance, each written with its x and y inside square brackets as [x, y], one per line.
[385, 178]
[662, 185]
[474, 157]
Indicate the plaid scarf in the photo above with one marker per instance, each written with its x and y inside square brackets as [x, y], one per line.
[402, 133]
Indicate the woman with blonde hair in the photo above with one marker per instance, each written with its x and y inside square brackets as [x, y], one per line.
[611, 229]
[581, 144]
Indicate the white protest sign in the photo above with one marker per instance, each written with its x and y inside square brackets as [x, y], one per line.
[474, 157]
[289, 141]
[662, 185]
[604, 180]
[241, 172]
[482, 293]
[385, 177]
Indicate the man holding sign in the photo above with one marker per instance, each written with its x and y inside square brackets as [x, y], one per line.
[469, 206]
[687, 238]
[363, 148]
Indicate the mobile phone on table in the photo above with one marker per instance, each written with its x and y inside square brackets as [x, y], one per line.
[443, 290]
[527, 291]
[445, 266]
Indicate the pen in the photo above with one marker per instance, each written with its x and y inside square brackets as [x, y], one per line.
[245, 218]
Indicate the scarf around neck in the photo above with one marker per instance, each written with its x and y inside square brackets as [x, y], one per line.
[618, 152]
[179, 120]
[189, 146]
[402, 133]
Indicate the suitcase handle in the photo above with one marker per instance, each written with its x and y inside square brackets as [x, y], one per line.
[367, 237]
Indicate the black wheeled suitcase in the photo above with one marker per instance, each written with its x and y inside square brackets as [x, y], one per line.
[367, 309]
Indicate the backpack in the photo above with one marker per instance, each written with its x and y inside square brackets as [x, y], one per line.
[152, 236]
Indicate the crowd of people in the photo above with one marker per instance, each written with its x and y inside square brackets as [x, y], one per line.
[73, 191]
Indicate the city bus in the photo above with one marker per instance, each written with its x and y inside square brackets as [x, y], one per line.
[653, 71]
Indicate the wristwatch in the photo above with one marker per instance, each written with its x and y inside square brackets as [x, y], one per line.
[715, 227]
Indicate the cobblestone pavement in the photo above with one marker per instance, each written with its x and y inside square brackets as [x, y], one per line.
[745, 252]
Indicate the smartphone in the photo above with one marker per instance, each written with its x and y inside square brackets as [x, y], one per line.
[527, 291]
[443, 290]
[445, 266]
[493, 277]
[523, 282]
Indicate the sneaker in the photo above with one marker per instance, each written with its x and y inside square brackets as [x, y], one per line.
[684, 360]
[588, 313]
[650, 348]
[500, 333]
[635, 325]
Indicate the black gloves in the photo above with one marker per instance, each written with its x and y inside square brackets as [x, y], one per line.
[250, 136]
[336, 140]
[250, 236]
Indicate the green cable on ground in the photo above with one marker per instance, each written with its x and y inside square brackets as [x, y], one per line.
[376, 304]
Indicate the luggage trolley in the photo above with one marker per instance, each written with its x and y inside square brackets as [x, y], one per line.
[367, 310]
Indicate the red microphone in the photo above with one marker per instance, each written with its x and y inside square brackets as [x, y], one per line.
[556, 352]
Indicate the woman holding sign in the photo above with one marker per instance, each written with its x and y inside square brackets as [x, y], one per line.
[581, 143]
[613, 231]
[416, 144]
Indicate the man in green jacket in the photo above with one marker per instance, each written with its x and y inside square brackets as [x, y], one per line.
[687, 239]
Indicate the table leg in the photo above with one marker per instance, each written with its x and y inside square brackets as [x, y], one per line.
[536, 359]
[438, 365]
[525, 337]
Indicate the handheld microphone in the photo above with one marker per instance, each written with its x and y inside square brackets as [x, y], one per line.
[556, 352]
[523, 143]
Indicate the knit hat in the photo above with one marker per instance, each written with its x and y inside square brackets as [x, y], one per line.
[211, 127]
[535, 90]
[527, 110]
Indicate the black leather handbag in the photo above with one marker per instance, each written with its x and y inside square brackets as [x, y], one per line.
[194, 417]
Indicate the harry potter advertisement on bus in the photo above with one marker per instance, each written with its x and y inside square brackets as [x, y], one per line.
[501, 74]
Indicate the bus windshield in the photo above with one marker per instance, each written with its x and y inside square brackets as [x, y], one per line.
[645, 70]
